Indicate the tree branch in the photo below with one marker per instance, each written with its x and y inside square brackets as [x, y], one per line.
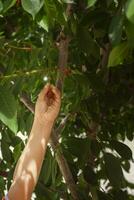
[63, 57]
[62, 63]
[26, 101]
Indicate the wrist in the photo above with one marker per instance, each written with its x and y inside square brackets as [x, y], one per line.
[42, 129]
[43, 123]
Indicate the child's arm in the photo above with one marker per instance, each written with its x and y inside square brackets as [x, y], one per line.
[29, 165]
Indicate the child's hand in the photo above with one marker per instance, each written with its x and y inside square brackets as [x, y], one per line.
[48, 104]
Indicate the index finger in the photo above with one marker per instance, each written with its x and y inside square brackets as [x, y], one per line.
[56, 92]
[44, 91]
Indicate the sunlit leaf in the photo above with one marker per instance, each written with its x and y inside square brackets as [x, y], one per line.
[91, 2]
[1, 6]
[44, 23]
[32, 6]
[130, 10]
[118, 54]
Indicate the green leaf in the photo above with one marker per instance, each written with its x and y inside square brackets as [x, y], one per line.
[89, 175]
[1, 6]
[124, 151]
[91, 2]
[46, 171]
[68, 1]
[17, 152]
[32, 6]
[118, 54]
[8, 4]
[50, 10]
[29, 122]
[85, 41]
[126, 166]
[8, 109]
[2, 184]
[115, 30]
[122, 194]
[44, 23]
[76, 144]
[113, 170]
[95, 147]
[130, 33]
[130, 10]
[6, 153]
[54, 171]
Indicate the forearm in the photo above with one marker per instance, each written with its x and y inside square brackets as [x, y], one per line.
[29, 165]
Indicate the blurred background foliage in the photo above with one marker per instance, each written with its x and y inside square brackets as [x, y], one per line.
[98, 91]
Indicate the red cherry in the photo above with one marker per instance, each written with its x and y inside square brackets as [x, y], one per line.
[50, 94]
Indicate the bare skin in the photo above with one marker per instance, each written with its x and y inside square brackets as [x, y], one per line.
[29, 165]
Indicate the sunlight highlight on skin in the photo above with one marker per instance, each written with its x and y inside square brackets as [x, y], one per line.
[33, 166]
[43, 143]
[26, 178]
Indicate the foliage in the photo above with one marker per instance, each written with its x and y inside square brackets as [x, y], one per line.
[98, 91]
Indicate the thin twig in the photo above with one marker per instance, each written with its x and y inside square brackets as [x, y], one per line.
[26, 101]
[19, 48]
[62, 124]
[19, 74]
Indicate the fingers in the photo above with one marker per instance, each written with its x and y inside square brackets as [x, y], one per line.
[50, 91]
[44, 91]
[56, 92]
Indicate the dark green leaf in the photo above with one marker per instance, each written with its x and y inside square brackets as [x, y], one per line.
[124, 151]
[2, 184]
[1, 6]
[122, 194]
[116, 28]
[46, 171]
[126, 166]
[89, 175]
[85, 41]
[6, 152]
[95, 148]
[8, 4]
[79, 147]
[17, 152]
[8, 109]
[130, 32]
[113, 170]
[54, 171]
